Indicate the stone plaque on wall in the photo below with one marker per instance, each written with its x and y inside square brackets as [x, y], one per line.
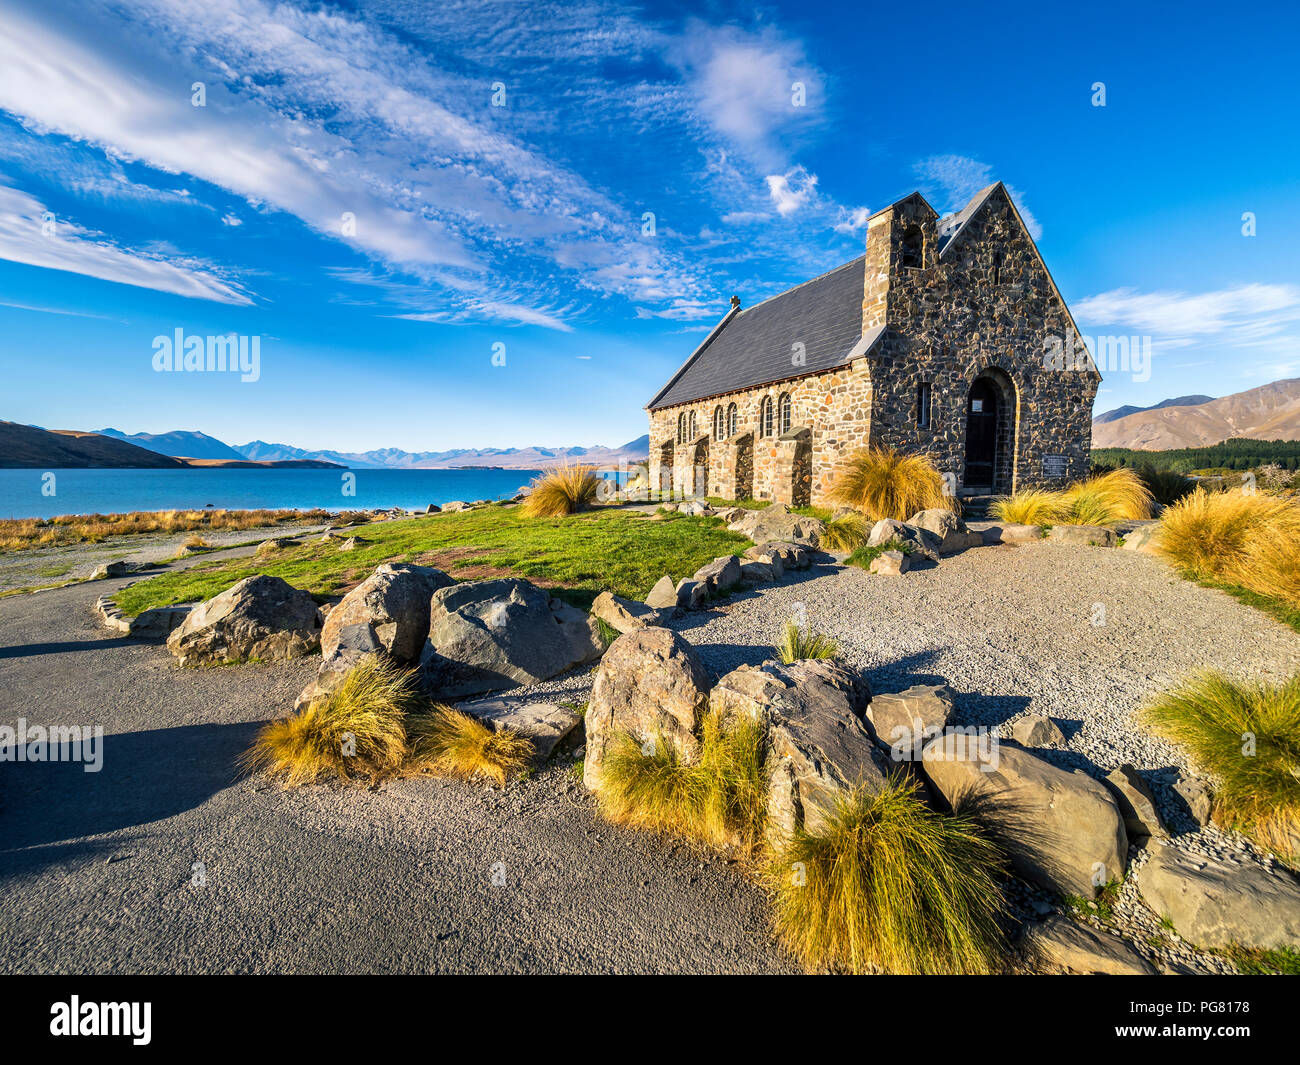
[1055, 467]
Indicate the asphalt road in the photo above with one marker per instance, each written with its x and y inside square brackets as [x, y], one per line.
[98, 869]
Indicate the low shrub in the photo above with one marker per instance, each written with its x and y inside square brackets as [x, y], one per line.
[1165, 486]
[884, 483]
[866, 555]
[357, 731]
[449, 743]
[1248, 737]
[798, 645]
[1106, 499]
[562, 491]
[891, 885]
[717, 800]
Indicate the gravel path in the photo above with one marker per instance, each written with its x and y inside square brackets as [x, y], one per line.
[96, 868]
[1081, 635]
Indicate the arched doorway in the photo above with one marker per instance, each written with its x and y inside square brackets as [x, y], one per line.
[981, 435]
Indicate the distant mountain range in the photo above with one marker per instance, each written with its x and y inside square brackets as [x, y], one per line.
[31, 447]
[193, 444]
[1123, 412]
[1270, 412]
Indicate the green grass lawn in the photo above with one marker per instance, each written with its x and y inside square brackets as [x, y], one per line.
[620, 551]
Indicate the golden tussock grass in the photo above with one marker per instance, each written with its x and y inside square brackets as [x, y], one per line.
[449, 743]
[1104, 499]
[797, 645]
[884, 483]
[1235, 536]
[717, 800]
[891, 885]
[1248, 736]
[845, 533]
[562, 491]
[355, 732]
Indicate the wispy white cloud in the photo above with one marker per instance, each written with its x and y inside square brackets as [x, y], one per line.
[792, 190]
[951, 181]
[26, 236]
[1241, 313]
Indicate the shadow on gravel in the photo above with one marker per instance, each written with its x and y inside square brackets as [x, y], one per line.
[28, 650]
[145, 777]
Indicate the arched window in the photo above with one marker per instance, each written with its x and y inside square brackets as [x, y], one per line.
[784, 413]
[719, 424]
[912, 248]
[733, 420]
[681, 428]
[692, 430]
[765, 417]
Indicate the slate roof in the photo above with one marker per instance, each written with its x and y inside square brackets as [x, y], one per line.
[754, 346]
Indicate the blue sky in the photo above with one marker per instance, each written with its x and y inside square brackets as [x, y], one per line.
[523, 225]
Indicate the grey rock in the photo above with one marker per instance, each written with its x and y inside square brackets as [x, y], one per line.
[790, 556]
[1035, 730]
[1007, 532]
[624, 614]
[1083, 535]
[544, 724]
[924, 543]
[695, 508]
[1216, 905]
[947, 528]
[816, 745]
[1065, 828]
[691, 594]
[157, 623]
[1197, 797]
[772, 523]
[261, 617]
[1137, 803]
[652, 685]
[756, 572]
[904, 722]
[1143, 539]
[891, 563]
[493, 634]
[720, 575]
[393, 603]
[456, 506]
[663, 595]
[1076, 948]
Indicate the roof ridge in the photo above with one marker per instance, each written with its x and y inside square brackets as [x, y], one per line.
[802, 284]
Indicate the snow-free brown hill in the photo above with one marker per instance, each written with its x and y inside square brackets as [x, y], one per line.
[1270, 412]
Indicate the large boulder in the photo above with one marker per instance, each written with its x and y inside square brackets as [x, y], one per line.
[1065, 829]
[393, 604]
[904, 722]
[261, 617]
[924, 544]
[651, 685]
[890, 563]
[1216, 905]
[777, 523]
[1083, 535]
[493, 634]
[624, 614]
[719, 576]
[1067, 945]
[1005, 532]
[816, 746]
[663, 596]
[1035, 730]
[947, 528]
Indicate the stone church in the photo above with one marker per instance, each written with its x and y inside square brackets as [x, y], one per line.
[946, 338]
